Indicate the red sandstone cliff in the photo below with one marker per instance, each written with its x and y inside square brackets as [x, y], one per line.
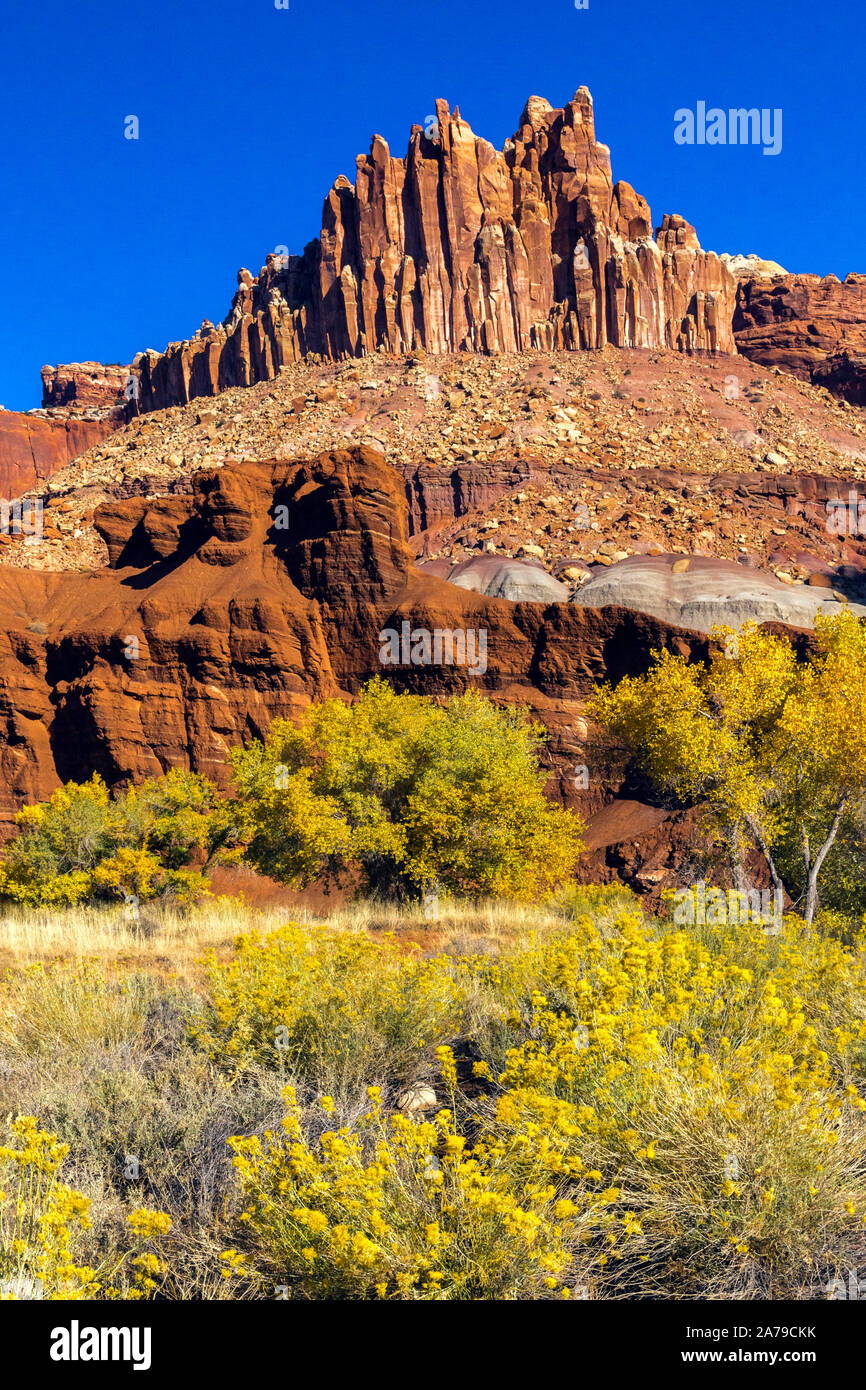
[92, 386]
[33, 447]
[462, 246]
[812, 327]
[82, 403]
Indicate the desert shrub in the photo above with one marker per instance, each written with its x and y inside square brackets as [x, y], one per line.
[410, 794]
[717, 1084]
[670, 1113]
[593, 900]
[42, 1221]
[54, 1011]
[397, 1209]
[83, 845]
[106, 1062]
[332, 1008]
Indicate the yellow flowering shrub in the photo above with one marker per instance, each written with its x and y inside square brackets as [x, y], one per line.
[703, 1075]
[334, 1005]
[39, 1218]
[396, 1209]
[42, 1221]
[660, 1111]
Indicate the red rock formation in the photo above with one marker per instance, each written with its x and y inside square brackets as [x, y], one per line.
[89, 385]
[82, 403]
[32, 447]
[843, 373]
[461, 246]
[812, 327]
[215, 617]
[437, 495]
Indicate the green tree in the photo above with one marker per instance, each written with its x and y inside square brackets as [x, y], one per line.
[82, 843]
[411, 794]
[774, 746]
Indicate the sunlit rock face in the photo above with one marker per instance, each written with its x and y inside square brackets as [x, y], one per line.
[460, 246]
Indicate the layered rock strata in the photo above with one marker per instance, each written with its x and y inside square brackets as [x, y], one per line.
[462, 246]
[810, 326]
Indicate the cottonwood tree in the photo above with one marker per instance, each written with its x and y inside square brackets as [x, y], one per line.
[409, 794]
[773, 746]
[84, 843]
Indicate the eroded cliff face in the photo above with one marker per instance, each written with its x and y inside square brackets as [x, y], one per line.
[810, 326]
[91, 386]
[82, 404]
[34, 447]
[268, 587]
[462, 246]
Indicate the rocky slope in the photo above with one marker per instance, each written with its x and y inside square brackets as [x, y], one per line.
[578, 455]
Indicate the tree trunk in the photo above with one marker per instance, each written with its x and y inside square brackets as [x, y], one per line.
[812, 870]
[741, 883]
[430, 900]
[765, 850]
[738, 874]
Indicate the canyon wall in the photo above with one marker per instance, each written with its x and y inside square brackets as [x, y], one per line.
[33, 447]
[90, 386]
[82, 403]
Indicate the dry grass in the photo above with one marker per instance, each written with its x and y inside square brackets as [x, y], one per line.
[94, 1040]
[172, 942]
[166, 942]
[699, 1049]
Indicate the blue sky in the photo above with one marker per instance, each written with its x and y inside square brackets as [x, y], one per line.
[247, 114]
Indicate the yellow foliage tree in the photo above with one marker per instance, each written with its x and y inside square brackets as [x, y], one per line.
[413, 794]
[82, 843]
[774, 745]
